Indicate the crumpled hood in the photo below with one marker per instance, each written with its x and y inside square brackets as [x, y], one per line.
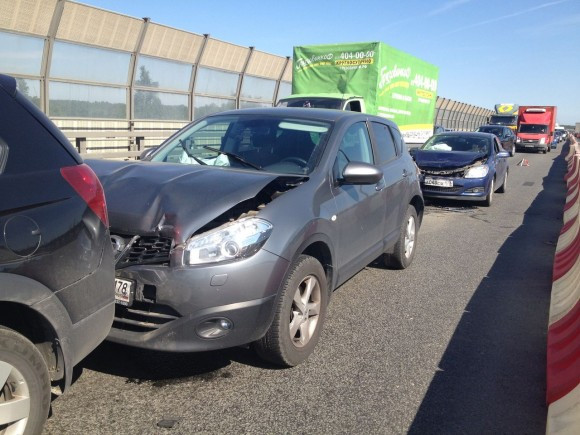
[142, 196]
[446, 159]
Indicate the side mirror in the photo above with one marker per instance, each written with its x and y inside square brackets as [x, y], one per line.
[361, 173]
[503, 154]
[145, 154]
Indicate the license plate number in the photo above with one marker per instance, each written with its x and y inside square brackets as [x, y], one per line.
[438, 182]
[124, 291]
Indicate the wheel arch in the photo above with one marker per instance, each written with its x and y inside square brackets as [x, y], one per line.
[33, 310]
[319, 247]
[419, 204]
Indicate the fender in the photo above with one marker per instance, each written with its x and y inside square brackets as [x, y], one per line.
[25, 291]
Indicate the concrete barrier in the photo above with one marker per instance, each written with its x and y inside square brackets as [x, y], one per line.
[563, 353]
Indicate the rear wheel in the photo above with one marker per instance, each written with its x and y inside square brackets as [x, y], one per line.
[404, 250]
[24, 385]
[299, 316]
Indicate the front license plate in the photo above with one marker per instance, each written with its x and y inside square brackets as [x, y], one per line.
[124, 291]
[438, 182]
[529, 146]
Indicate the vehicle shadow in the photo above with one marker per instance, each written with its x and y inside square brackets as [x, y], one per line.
[491, 378]
[142, 365]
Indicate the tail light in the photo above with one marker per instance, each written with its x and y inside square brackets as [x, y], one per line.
[85, 182]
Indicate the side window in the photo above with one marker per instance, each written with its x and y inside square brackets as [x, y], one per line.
[398, 140]
[496, 145]
[353, 106]
[385, 146]
[354, 147]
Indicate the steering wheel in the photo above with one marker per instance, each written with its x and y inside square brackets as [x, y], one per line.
[296, 160]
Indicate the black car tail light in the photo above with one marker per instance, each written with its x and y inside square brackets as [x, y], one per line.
[85, 182]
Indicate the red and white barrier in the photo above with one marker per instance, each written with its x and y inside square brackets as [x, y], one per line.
[563, 365]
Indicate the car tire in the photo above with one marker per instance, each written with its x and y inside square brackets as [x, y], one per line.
[545, 150]
[503, 186]
[299, 315]
[489, 198]
[23, 375]
[513, 151]
[404, 250]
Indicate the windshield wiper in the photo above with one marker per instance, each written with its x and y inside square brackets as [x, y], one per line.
[201, 162]
[234, 156]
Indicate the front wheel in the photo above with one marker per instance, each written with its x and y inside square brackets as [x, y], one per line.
[24, 385]
[489, 198]
[513, 151]
[503, 186]
[404, 250]
[299, 315]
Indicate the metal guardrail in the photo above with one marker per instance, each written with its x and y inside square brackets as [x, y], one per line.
[134, 148]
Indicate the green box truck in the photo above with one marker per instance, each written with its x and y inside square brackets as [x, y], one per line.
[369, 77]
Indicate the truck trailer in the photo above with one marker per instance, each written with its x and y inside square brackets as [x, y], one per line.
[505, 114]
[536, 126]
[369, 77]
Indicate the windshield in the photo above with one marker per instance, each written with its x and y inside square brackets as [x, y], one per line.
[503, 120]
[320, 103]
[493, 130]
[457, 143]
[533, 128]
[256, 142]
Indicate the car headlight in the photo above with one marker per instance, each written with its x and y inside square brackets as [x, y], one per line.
[477, 171]
[542, 141]
[233, 241]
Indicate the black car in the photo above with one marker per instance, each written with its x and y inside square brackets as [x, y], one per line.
[56, 262]
[239, 227]
[506, 136]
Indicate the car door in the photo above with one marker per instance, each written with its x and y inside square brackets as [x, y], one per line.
[360, 208]
[499, 163]
[386, 142]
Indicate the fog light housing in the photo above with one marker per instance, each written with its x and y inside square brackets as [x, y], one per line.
[476, 190]
[214, 328]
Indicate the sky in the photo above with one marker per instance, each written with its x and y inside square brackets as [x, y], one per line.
[488, 51]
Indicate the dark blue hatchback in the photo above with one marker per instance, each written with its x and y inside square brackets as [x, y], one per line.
[462, 165]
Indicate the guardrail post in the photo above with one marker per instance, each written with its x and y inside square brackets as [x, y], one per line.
[81, 143]
[139, 144]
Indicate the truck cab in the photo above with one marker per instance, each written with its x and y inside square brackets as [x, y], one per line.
[536, 126]
[352, 103]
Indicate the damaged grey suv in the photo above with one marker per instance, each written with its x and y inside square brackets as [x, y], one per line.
[237, 229]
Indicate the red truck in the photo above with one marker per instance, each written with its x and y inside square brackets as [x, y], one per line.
[536, 126]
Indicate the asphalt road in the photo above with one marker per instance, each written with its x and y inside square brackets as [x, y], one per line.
[454, 344]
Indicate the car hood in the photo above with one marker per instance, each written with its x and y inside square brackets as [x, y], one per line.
[446, 159]
[171, 199]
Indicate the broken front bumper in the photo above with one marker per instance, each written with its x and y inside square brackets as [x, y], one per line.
[470, 189]
[173, 306]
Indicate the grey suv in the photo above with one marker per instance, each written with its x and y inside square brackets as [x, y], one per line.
[238, 228]
[56, 262]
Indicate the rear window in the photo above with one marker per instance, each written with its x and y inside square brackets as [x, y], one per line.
[27, 146]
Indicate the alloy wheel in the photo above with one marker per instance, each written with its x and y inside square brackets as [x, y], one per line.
[410, 237]
[14, 400]
[305, 311]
